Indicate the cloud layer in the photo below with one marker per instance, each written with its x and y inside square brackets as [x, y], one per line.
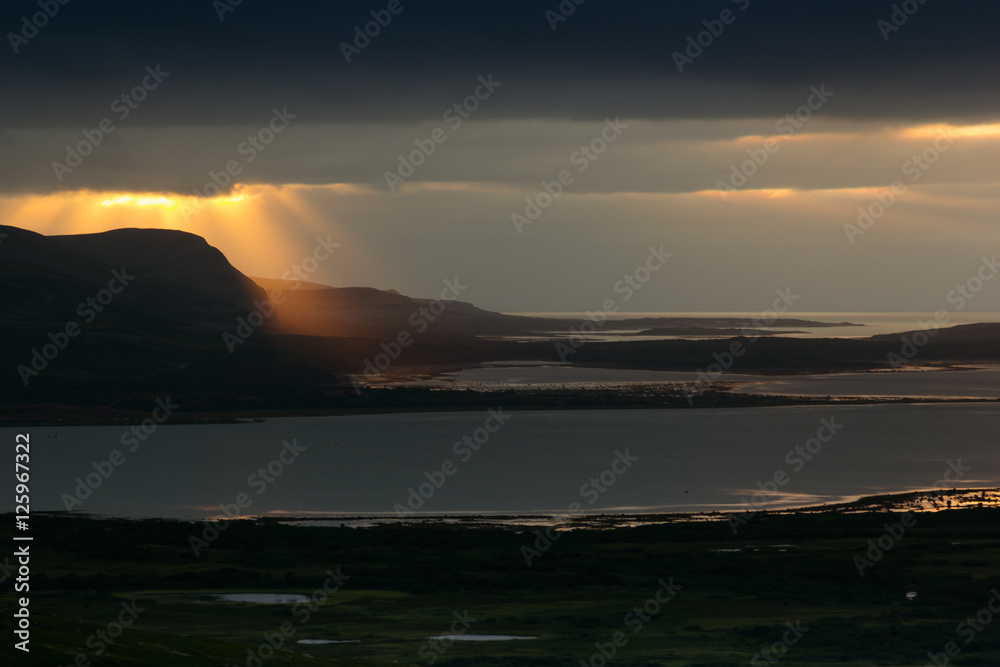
[605, 58]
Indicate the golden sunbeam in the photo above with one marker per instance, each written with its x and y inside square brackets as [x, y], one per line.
[149, 199]
[140, 201]
[249, 225]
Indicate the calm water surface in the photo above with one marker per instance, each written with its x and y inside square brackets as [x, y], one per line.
[980, 382]
[537, 462]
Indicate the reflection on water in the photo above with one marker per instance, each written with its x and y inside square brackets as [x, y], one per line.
[263, 598]
[982, 382]
[972, 382]
[538, 462]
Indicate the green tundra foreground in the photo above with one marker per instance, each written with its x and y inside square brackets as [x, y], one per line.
[824, 588]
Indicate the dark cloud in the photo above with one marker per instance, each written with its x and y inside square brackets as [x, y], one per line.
[606, 58]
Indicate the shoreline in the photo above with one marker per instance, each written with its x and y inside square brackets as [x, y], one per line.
[513, 399]
[917, 501]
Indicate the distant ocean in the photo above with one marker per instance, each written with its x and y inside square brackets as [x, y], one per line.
[874, 323]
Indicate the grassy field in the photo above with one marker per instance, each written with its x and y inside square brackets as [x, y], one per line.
[723, 598]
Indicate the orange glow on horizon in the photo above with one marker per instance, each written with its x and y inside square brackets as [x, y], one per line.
[755, 193]
[927, 131]
[988, 130]
[149, 199]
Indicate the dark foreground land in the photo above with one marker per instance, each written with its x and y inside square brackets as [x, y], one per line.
[788, 583]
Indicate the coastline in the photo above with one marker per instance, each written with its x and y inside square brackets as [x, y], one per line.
[917, 501]
[638, 396]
